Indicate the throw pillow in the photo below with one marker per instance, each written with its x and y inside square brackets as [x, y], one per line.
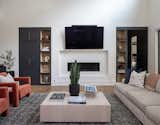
[7, 78]
[151, 81]
[137, 79]
[128, 74]
[10, 77]
[158, 86]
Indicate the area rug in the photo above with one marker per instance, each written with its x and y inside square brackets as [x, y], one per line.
[28, 113]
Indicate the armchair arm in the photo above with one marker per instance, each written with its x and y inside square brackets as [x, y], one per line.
[15, 91]
[4, 92]
[26, 80]
[14, 85]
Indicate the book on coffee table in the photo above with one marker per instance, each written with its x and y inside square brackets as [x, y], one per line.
[58, 96]
[77, 100]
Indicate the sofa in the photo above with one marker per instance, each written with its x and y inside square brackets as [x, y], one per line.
[144, 104]
[4, 101]
[18, 91]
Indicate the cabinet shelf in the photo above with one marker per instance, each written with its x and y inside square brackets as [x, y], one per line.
[45, 62]
[45, 57]
[45, 41]
[45, 51]
[121, 73]
[45, 73]
[122, 62]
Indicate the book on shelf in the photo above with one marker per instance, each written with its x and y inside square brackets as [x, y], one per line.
[121, 59]
[121, 71]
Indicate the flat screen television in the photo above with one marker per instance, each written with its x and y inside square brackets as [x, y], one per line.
[84, 37]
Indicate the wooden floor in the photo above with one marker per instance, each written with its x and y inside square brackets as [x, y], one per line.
[43, 88]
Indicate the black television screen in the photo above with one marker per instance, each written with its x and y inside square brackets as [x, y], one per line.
[84, 37]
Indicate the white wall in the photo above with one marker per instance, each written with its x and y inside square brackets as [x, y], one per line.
[60, 13]
[154, 26]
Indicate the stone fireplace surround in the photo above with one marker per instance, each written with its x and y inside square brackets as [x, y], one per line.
[84, 56]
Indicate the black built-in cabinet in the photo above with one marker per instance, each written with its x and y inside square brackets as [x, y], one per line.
[30, 52]
[132, 46]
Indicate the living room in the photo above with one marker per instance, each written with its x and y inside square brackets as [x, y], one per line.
[29, 28]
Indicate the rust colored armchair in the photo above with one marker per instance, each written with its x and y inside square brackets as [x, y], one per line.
[18, 91]
[4, 101]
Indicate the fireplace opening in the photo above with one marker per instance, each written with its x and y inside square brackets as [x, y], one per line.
[87, 66]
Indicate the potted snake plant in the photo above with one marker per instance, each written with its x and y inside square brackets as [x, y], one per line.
[74, 86]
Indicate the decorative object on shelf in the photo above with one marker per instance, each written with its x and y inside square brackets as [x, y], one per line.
[46, 78]
[134, 52]
[45, 49]
[121, 59]
[74, 86]
[7, 59]
[46, 37]
[46, 59]
[122, 71]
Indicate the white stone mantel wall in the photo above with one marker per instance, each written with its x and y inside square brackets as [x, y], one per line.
[84, 55]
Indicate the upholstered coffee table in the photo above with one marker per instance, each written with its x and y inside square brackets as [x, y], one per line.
[96, 109]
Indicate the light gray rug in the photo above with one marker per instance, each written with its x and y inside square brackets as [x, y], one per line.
[28, 113]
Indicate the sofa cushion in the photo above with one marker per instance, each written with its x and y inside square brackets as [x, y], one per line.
[144, 98]
[151, 81]
[124, 88]
[153, 113]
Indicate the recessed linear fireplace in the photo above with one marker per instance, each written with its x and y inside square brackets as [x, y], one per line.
[87, 66]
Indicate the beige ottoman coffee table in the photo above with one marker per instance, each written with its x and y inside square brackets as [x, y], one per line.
[96, 109]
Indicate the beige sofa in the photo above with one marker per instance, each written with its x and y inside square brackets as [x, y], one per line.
[144, 104]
